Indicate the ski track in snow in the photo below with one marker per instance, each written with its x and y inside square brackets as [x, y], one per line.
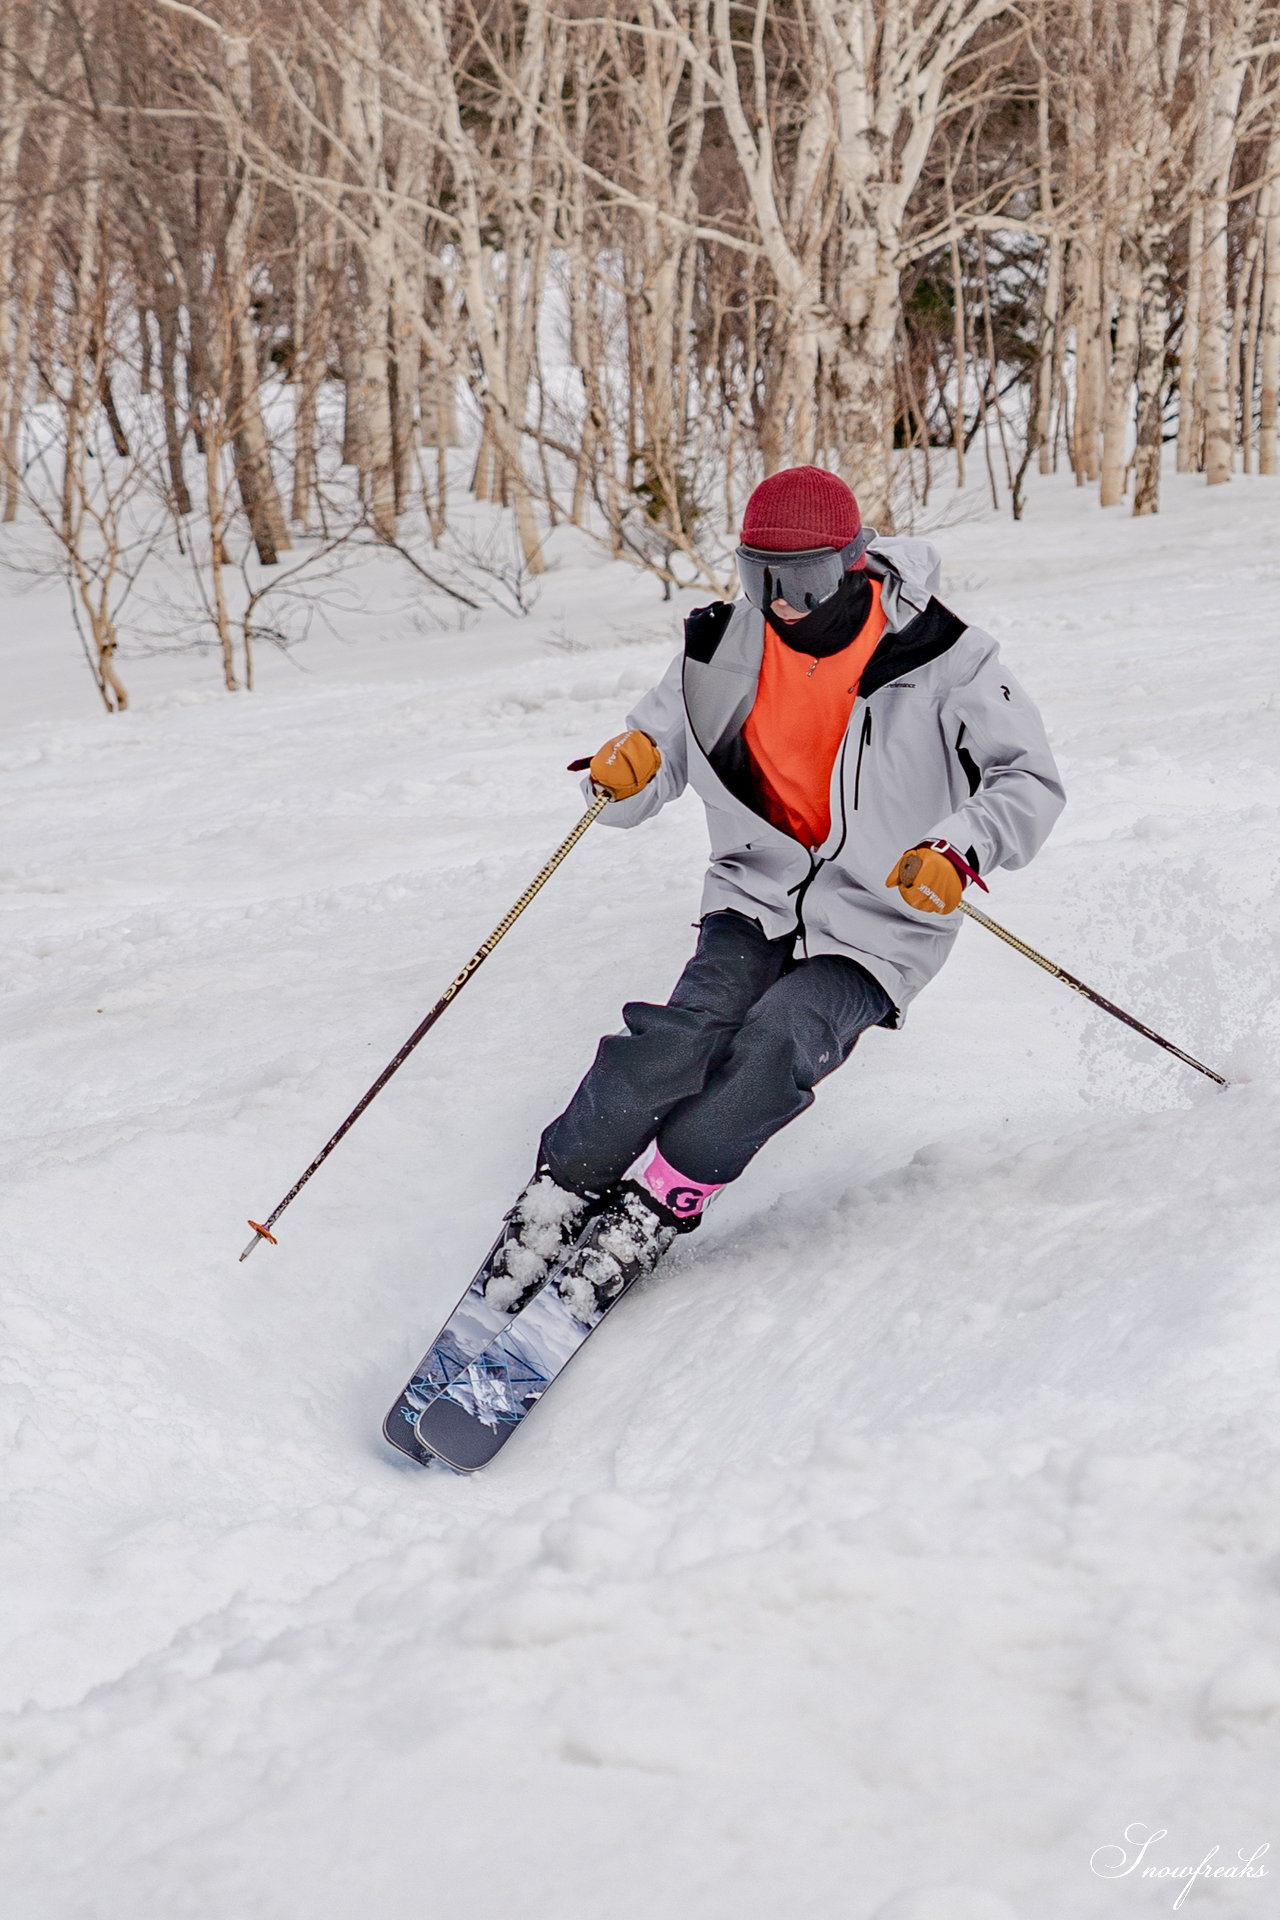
[914, 1528]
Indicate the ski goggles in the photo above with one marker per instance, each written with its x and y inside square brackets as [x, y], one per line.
[804, 580]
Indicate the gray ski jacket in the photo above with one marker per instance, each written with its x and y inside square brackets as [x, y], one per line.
[942, 744]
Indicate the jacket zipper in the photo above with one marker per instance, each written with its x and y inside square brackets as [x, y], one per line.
[816, 865]
[844, 817]
[864, 742]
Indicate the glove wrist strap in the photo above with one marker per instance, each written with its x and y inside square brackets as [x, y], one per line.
[958, 861]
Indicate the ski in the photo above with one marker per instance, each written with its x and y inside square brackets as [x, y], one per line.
[478, 1318]
[468, 1330]
[466, 1422]
[474, 1415]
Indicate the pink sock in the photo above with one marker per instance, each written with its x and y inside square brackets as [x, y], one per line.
[685, 1197]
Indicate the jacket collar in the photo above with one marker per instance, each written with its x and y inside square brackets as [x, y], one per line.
[724, 646]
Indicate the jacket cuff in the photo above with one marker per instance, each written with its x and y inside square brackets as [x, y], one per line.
[624, 813]
[966, 835]
[964, 867]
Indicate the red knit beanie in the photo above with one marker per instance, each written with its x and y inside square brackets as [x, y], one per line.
[798, 508]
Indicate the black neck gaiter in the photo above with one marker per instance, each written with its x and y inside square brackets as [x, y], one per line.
[834, 623]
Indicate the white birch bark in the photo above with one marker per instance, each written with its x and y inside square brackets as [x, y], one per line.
[1124, 366]
[257, 482]
[504, 412]
[366, 139]
[1244, 344]
[1150, 373]
[1229, 59]
[1190, 440]
[1269, 371]
[20, 266]
[1048, 354]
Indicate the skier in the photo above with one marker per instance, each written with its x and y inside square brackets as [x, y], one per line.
[840, 725]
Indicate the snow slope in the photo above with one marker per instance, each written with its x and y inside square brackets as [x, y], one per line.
[906, 1539]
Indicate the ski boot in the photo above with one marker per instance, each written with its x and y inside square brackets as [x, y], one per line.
[624, 1241]
[536, 1235]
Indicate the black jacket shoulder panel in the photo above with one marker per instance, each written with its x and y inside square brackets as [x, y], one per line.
[704, 630]
[932, 632]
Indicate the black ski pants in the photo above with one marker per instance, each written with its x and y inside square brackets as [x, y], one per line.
[733, 1056]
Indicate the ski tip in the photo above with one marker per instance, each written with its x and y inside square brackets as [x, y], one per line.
[400, 1431]
[453, 1435]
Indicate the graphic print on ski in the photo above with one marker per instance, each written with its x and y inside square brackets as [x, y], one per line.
[472, 1325]
[468, 1420]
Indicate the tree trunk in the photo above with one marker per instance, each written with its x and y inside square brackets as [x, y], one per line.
[308, 368]
[376, 407]
[1215, 348]
[1124, 361]
[1047, 367]
[258, 490]
[1048, 353]
[21, 265]
[167, 322]
[959, 332]
[1216, 327]
[861, 358]
[1248, 316]
[1088, 360]
[355, 439]
[1269, 396]
[1190, 448]
[1151, 354]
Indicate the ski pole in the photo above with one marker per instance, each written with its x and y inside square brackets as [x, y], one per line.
[1069, 980]
[262, 1230]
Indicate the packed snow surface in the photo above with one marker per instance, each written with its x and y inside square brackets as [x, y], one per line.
[908, 1538]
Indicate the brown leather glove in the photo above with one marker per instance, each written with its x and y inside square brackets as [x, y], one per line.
[927, 879]
[625, 764]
